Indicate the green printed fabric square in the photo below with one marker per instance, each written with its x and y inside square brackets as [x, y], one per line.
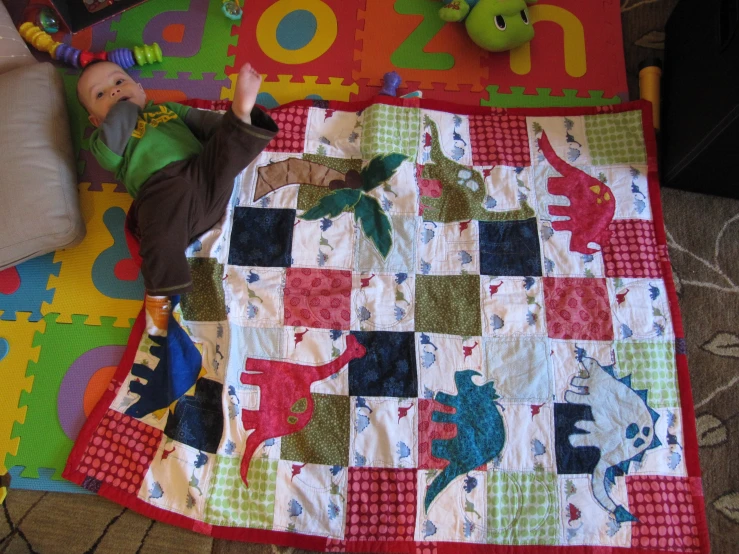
[616, 138]
[231, 504]
[448, 304]
[522, 508]
[206, 302]
[325, 440]
[389, 130]
[652, 368]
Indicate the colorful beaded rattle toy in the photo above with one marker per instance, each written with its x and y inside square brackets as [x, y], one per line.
[125, 57]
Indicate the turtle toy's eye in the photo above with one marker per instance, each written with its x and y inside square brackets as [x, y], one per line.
[525, 16]
[500, 22]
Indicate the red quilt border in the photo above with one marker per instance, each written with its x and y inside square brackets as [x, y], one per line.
[282, 538]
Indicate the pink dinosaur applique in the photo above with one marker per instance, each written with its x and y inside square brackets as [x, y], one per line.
[285, 405]
[592, 205]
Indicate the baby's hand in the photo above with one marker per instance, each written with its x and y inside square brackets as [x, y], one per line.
[247, 88]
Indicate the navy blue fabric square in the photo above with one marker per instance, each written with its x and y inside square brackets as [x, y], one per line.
[387, 369]
[571, 460]
[510, 248]
[261, 237]
[197, 420]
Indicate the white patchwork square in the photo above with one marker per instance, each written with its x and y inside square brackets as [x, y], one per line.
[668, 458]
[313, 347]
[399, 194]
[383, 302]
[458, 513]
[566, 366]
[583, 520]
[333, 133]
[212, 339]
[454, 136]
[310, 499]
[178, 479]
[512, 306]
[255, 296]
[503, 186]
[441, 356]
[326, 243]
[383, 432]
[449, 248]
[640, 309]
[259, 180]
[529, 444]
[566, 135]
[630, 188]
[520, 367]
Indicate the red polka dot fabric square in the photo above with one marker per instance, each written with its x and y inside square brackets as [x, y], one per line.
[319, 298]
[577, 309]
[499, 139]
[632, 250]
[292, 123]
[381, 504]
[666, 513]
[120, 451]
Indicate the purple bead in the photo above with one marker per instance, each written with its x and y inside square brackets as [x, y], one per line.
[68, 54]
[390, 83]
[122, 57]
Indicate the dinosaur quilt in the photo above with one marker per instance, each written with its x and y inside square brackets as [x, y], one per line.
[423, 328]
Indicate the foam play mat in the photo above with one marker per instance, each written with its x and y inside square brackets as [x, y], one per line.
[396, 343]
[65, 317]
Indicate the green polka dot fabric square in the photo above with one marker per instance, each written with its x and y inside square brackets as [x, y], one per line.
[522, 508]
[652, 367]
[616, 138]
[325, 440]
[448, 304]
[231, 504]
[390, 129]
[207, 301]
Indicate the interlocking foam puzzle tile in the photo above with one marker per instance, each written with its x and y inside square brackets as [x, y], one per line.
[194, 36]
[32, 290]
[44, 481]
[43, 442]
[315, 37]
[430, 52]
[285, 90]
[16, 350]
[85, 284]
[160, 88]
[518, 98]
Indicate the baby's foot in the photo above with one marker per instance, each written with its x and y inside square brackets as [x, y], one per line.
[247, 88]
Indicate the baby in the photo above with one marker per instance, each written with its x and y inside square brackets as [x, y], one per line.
[178, 163]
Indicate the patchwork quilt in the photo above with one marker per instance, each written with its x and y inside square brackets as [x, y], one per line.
[423, 328]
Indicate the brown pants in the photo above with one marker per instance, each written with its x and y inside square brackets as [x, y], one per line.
[186, 198]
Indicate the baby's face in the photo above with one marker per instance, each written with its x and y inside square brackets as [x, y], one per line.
[105, 84]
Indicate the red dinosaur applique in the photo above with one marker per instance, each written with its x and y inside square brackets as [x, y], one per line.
[592, 204]
[285, 404]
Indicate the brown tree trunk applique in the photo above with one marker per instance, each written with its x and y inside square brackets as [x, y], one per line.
[293, 171]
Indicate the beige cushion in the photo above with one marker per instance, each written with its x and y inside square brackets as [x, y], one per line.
[39, 203]
[13, 51]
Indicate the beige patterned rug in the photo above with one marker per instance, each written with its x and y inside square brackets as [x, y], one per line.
[703, 233]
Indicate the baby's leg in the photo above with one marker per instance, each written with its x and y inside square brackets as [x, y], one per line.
[163, 212]
[247, 88]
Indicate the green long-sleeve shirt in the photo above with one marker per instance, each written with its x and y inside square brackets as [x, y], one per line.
[134, 144]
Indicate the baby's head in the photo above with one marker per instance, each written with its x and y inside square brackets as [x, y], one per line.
[103, 84]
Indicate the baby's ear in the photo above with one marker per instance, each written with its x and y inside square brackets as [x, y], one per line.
[94, 120]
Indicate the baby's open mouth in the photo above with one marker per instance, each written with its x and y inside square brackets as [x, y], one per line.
[124, 98]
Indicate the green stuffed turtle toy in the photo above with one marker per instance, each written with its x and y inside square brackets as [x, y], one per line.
[495, 25]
